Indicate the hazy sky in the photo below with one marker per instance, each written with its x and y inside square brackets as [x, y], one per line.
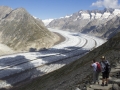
[46, 9]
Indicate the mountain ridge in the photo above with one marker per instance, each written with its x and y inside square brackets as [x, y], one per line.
[21, 31]
[85, 21]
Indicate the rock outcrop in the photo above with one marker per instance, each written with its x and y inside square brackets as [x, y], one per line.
[4, 11]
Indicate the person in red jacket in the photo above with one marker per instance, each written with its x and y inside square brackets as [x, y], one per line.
[95, 72]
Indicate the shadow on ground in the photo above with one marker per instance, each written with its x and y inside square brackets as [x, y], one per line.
[15, 70]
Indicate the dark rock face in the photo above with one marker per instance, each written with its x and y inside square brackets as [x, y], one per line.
[21, 31]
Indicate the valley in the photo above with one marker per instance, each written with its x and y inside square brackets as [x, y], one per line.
[55, 53]
[17, 68]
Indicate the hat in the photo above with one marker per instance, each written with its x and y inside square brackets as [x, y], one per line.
[103, 57]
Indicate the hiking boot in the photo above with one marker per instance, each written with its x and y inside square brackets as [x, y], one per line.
[102, 84]
[106, 84]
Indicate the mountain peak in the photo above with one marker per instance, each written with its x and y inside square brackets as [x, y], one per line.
[4, 10]
[4, 7]
[108, 10]
[20, 9]
[20, 31]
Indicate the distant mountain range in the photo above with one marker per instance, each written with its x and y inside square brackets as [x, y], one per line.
[21, 31]
[94, 22]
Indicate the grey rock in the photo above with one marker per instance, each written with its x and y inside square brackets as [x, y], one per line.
[115, 87]
[77, 88]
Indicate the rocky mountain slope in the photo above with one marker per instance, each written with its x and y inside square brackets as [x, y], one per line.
[21, 31]
[78, 72]
[4, 11]
[93, 22]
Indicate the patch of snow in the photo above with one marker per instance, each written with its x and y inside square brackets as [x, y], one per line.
[98, 15]
[76, 18]
[106, 15]
[67, 16]
[35, 17]
[85, 16]
[116, 11]
[80, 11]
[47, 21]
[92, 15]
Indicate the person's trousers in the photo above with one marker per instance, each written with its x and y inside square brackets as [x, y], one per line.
[95, 76]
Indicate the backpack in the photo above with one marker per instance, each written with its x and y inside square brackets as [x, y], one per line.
[98, 67]
[107, 66]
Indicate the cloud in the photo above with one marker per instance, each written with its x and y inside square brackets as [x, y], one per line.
[106, 3]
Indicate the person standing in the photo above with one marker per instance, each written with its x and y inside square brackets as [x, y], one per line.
[105, 67]
[95, 72]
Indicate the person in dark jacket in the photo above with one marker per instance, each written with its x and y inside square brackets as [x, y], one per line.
[105, 71]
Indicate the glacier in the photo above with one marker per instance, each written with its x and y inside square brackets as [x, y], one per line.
[19, 67]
